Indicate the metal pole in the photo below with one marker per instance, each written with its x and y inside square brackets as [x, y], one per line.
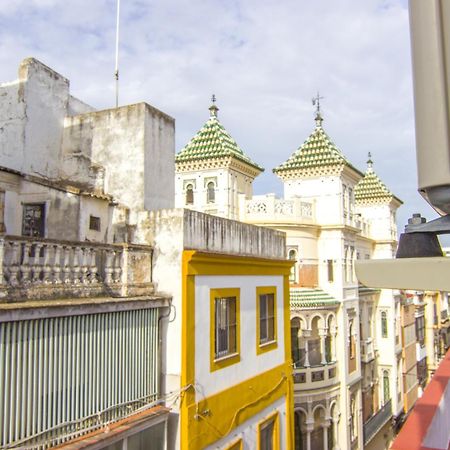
[116, 71]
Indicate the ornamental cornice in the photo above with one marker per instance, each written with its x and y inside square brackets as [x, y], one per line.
[229, 162]
[310, 172]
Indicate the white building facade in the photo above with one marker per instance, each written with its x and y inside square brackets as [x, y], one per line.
[347, 369]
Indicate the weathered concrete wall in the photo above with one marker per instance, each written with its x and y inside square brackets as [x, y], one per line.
[159, 159]
[32, 111]
[213, 234]
[135, 145]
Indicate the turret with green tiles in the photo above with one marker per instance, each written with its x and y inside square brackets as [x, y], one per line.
[371, 189]
[213, 142]
[318, 155]
[213, 174]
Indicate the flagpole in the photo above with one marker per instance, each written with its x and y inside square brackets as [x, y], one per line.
[116, 72]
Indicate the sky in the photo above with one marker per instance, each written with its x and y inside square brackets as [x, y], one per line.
[263, 59]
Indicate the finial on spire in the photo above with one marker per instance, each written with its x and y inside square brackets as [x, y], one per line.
[369, 161]
[213, 108]
[316, 103]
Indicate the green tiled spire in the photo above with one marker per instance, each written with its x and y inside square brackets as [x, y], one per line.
[371, 189]
[310, 298]
[212, 142]
[318, 151]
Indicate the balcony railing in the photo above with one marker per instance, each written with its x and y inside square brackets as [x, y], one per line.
[39, 269]
[377, 421]
[367, 351]
[267, 208]
[318, 376]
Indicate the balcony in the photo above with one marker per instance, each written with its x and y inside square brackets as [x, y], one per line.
[45, 269]
[377, 421]
[315, 377]
[427, 424]
[269, 209]
[367, 351]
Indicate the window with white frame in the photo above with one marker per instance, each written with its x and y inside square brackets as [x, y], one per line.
[225, 326]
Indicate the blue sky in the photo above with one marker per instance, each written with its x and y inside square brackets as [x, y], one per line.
[263, 59]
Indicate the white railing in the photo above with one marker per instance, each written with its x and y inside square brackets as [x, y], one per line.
[34, 268]
[367, 350]
[268, 208]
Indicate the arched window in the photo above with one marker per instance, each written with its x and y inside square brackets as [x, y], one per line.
[189, 194]
[292, 255]
[211, 192]
[351, 339]
[384, 325]
[386, 389]
[353, 418]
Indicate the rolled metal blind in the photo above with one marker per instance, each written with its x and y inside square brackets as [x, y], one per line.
[62, 377]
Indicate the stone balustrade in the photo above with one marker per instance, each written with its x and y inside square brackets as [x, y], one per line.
[268, 208]
[38, 269]
[315, 377]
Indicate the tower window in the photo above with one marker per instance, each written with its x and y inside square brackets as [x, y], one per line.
[189, 194]
[211, 193]
[384, 325]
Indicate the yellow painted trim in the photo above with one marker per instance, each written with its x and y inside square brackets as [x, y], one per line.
[237, 444]
[271, 345]
[215, 417]
[290, 433]
[275, 418]
[187, 347]
[202, 263]
[228, 360]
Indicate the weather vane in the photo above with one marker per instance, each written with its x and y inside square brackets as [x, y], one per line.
[316, 102]
[213, 108]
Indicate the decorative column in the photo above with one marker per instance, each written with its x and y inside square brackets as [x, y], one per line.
[333, 333]
[309, 430]
[325, 427]
[323, 334]
[306, 336]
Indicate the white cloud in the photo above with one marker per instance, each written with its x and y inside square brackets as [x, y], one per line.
[263, 59]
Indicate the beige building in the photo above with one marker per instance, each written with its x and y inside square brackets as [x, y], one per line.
[346, 346]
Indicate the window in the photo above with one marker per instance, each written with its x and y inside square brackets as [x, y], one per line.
[94, 223]
[330, 270]
[266, 319]
[420, 330]
[33, 220]
[384, 326]
[268, 437]
[292, 255]
[386, 390]
[189, 194]
[225, 344]
[211, 193]
[351, 340]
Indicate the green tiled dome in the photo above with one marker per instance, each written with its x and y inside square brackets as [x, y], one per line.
[310, 298]
[370, 189]
[317, 151]
[213, 141]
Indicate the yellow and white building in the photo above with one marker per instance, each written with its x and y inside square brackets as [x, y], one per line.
[228, 348]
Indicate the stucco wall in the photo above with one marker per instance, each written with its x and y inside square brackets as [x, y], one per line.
[135, 145]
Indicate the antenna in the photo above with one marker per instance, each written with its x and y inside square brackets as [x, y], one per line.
[116, 71]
